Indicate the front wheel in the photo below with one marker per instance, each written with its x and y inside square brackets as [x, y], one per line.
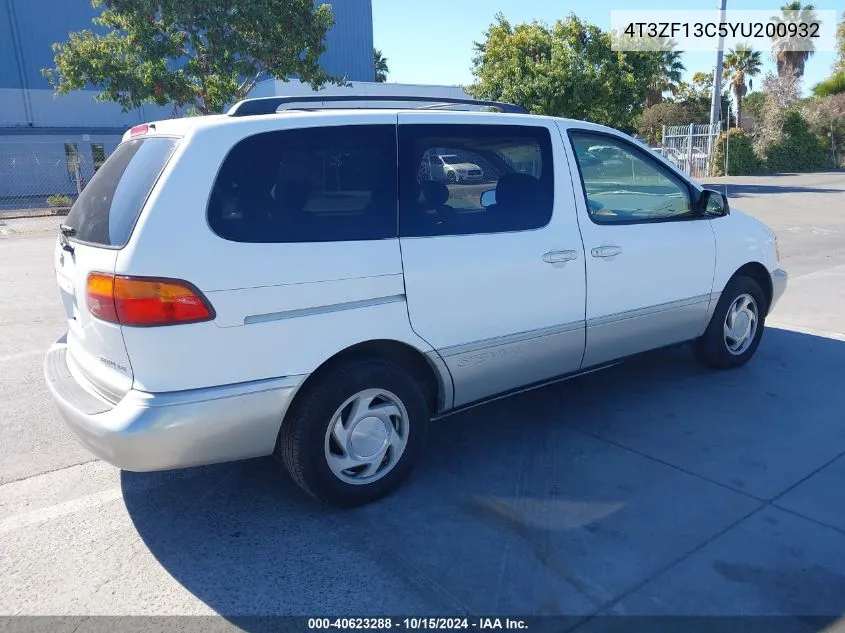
[735, 330]
[355, 434]
[452, 178]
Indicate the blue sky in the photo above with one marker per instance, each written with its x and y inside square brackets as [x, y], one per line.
[430, 41]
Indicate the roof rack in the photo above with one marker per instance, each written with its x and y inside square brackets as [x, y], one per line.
[271, 105]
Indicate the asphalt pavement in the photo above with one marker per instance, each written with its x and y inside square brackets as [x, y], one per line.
[655, 487]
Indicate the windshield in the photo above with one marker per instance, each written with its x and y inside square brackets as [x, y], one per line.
[451, 160]
[107, 209]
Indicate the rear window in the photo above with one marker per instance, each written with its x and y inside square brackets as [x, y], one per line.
[107, 209]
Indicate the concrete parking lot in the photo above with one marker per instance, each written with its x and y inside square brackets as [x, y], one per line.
[656, 487]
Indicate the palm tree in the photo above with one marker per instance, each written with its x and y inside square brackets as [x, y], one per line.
[741, 64]
[380, 65]
[668, 77]
[791, 53]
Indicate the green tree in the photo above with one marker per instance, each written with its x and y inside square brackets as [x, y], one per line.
[798, 149]
[740, 66]
[650, 123]
[735, 145]
[833, 85]
[781, 96]
[697, 94]
[699, 88]
[667, 78]
[792, 53]
[568, 70]
[197, 53]
[826, 118]
[753, 104]
[380, 65]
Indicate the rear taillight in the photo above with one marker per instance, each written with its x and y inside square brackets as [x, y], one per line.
[143, 301]
[101, 297]
[138, 130]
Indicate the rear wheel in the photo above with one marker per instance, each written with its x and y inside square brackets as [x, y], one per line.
[354, 435]
[735, 330]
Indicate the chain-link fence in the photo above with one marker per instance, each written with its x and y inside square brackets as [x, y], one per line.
[690, 147]
[39, 175]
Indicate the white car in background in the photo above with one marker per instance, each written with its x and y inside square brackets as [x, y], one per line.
[451, 169]
[288, 283]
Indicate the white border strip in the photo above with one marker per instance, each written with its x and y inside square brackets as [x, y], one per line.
[805, 330]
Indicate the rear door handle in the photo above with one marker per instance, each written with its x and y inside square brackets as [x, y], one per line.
[558, 257]
[606, 251]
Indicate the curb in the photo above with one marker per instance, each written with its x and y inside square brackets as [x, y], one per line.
[19, 214]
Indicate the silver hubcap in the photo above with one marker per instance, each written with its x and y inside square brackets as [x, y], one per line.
[741, 324]
[366, 436]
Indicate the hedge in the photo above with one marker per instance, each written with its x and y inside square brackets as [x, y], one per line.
[742, 160]
[799, 150]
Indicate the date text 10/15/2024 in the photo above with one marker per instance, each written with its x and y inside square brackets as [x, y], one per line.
[411, 624]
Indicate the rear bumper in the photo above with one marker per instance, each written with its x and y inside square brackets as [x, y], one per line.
[780, 278]
[162, 431]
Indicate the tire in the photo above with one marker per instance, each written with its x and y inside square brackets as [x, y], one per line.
[451, 178]
[313, 449]
[720, 349]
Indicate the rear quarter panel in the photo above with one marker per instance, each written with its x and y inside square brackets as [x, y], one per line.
[205, 354]
[281, 309]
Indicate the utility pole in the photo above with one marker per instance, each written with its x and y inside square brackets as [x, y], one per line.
[716, 102]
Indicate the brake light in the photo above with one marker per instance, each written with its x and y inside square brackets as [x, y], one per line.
[139, 129]
[144, 301]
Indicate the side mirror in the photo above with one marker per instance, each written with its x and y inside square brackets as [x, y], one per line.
[488, 198]
[714, 204]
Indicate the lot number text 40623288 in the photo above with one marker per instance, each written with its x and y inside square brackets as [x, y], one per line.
[417, 623]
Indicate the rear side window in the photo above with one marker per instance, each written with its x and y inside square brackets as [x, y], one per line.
[107, 209]
[467, 179]
[308, 185]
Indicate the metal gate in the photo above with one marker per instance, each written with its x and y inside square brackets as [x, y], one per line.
[690, 147]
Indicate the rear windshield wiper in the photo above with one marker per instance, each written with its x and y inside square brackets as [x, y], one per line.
[66, 231]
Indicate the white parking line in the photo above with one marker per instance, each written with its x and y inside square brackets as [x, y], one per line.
[59, 510]
[32, 352]
[805, 330]
[812, 229]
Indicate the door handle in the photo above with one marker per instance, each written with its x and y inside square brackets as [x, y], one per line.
[606, 251]
[557, 257]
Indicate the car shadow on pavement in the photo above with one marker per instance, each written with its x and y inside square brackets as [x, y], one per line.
[552, 502]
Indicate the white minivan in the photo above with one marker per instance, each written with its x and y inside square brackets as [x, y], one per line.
[286, 281]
